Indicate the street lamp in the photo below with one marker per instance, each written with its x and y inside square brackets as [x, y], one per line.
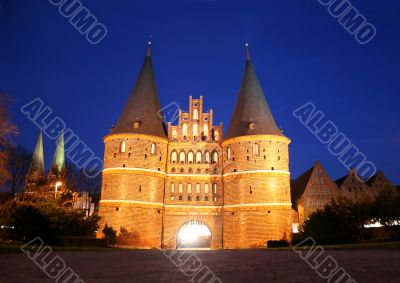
[58, 184]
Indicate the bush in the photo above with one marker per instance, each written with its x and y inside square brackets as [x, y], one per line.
[277, 244]
[82, 242]
[27, 220]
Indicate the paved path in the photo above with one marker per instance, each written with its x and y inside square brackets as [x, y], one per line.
[229, 266]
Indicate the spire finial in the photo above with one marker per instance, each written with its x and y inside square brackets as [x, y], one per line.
[148, 53]
[247, 50]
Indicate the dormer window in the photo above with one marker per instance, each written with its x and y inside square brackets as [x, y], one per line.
[136, 124]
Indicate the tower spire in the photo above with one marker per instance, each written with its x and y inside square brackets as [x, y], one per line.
[247, 50]
[142, 112]
[252, 115]
[148, 49]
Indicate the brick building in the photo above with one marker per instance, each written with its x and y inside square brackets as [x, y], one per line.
[188, 185]
[314, 189]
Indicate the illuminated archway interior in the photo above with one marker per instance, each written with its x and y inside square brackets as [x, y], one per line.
[194, 234]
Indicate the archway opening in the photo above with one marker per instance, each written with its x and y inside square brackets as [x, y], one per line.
[193, 235]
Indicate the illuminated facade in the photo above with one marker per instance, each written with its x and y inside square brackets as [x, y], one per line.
[162, 182]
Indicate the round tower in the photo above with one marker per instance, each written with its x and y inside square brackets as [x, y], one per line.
[257, 204]
[134, 167]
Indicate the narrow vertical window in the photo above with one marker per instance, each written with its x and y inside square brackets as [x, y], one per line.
[195, 114]
[205, 130]
[123, 146]
[174, 156]
[197, 188]
[172, 188]
[153, 148]
[195, 130]
[214, 157]
[184, 130]
[228, 152]
[206, 188]
[190, 157]
[189, 188]
[180, 187]
[174, 135]
[198, 157]
[215, 190]
[256, 149]
[182, 157]
[207, 157]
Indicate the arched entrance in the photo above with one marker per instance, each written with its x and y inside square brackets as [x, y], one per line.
[193, 234]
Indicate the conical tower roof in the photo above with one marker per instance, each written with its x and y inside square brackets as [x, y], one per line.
[252, 115]
[143, 105]
[37, 164]
[59, 156]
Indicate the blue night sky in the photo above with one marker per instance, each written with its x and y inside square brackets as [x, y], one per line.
[299, 51]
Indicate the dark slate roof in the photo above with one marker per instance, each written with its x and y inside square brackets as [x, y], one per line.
[299, 185]
[143, 105]
[340, 181]
[251, 106]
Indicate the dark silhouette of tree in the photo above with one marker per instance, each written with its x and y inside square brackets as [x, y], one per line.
[7, 131]
[18, 166]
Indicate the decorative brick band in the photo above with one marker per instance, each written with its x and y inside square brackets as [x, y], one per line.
[259, 204]
[158, 204]
[132, 171]
[193, 206]
[258, 171]
[195, 175]
[256, 138]
[135, 136]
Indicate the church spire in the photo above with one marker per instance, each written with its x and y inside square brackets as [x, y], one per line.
[37, 164]
[252, 115]
[59, 156]
[142, 113]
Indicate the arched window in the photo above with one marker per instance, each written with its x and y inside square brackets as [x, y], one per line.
[174, 156]
[184, 130]
[215, 189]
[195, 114]
[173, 170]
[189, 188]
[180, 188]
[206, 188]
[153, 148]
[214, 157]
[182, 157]
[228, 152]
[256, 149]
[123, 146]
[190, 157]
[205, 130]
[207, 157]
[195, 130]
[198, 157]
[174, 135]
[190, 170]
[172, 187]
[197, 188]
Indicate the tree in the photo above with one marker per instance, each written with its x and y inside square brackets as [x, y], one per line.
[387, 207]
[18, 166]
[341, 221]
[7, 131]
